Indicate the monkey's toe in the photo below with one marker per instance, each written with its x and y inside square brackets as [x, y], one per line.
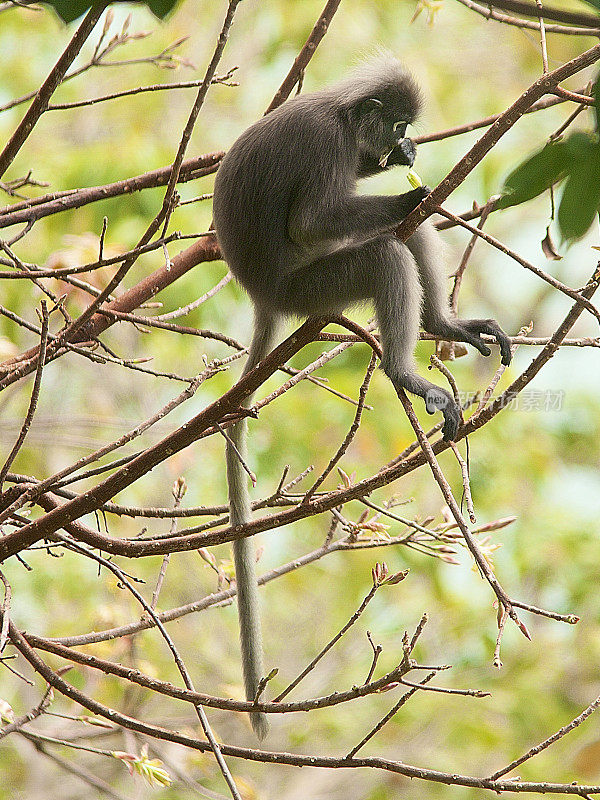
[438, 399]
[482, 346]
[505, 351]
[451, 423]
[492, 328]
[470, 331]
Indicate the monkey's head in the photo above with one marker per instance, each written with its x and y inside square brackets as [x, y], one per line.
[382, 100]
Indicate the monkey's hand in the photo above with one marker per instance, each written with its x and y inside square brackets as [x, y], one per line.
[410, 200]
[470, 330]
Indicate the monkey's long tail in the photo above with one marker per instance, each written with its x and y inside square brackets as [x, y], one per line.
[265, 331]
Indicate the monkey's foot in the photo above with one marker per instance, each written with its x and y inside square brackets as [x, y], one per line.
[436, 399]
[470, 330]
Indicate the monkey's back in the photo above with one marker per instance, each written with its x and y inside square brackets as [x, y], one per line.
[283, 159]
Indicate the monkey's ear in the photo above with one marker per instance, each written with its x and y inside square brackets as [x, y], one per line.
[371, 104]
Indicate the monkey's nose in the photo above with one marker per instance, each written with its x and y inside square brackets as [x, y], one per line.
[409, 152]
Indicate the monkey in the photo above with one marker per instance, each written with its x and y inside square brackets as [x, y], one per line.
[301, 241]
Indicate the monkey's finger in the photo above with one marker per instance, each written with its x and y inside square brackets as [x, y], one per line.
[503, 343]
[491, 327]
[476, 341]
[505, 351]
[482, 346]
[451, 422]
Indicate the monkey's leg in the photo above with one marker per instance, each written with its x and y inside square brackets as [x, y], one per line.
[427, 249]
[382, 270]
[398, 306]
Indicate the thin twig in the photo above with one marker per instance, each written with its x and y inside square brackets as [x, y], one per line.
[351, 433]
[540, 9]
[557, 14]
[550, 740]
[458, 275]
[377, 650]
[329, 644]
[181, 312]
[154, 87]
[484, 122]
[523, 331]
[34, 397]
[445, 690]
[85, 775]
[466, 482]
[178, 491]
[489, 13]
[418, 631]
[503, 616]
[5, 609]
[236, 450]
[391, 713]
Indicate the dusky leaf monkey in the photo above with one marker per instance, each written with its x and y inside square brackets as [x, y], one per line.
[301, 241]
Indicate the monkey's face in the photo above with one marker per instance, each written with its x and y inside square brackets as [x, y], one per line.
[381, 129]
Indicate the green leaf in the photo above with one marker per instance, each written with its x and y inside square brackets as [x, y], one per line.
[68, 10]
[160, 8]
[595, 3]
[535, 175]
[580, 200]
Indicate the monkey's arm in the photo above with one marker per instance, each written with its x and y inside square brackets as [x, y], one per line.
[313, 221]
[436, 317]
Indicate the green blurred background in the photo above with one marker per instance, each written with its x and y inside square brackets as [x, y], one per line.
[540, 466]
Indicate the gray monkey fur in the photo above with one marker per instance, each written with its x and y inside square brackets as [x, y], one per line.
[301, 241]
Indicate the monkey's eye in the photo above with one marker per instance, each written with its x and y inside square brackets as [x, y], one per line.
[400, 127]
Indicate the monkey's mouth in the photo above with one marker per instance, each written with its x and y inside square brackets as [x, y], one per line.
[405, 153]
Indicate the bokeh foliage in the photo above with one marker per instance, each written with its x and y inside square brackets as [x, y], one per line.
[540, 466]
